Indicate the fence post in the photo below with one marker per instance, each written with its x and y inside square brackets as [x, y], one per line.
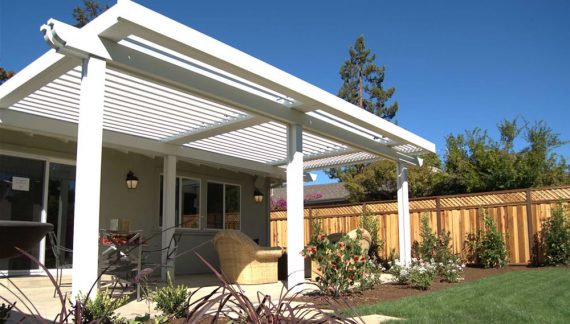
[533, 253]
[438, 214]
[310, 222]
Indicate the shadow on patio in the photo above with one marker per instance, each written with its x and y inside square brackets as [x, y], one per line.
[40, 292]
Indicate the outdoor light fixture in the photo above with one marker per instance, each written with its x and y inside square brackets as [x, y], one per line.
[132, 180]
[258, 196]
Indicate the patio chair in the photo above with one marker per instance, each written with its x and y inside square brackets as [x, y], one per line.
[59, 252]
[242, 261]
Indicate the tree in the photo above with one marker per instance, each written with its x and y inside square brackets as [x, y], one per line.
[91, 9]
[362, 85]
[362, 82]
[5, 75]
[377, 181]
[82, 16]
[474, 162]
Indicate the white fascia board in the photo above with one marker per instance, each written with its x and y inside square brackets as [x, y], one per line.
[147, 24]
[67, 130]
[45, 69]
[211, 131]
[156, 69]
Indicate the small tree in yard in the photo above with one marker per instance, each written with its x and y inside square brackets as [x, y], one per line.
[432, 246]
[487, 247]
[369, 222]
[555, 236]
[437, 249]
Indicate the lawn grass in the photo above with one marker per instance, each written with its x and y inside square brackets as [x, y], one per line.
[537, 296]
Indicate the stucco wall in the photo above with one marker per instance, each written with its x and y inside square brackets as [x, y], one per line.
[141, 206]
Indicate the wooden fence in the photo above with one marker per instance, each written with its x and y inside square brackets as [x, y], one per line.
[518, 214]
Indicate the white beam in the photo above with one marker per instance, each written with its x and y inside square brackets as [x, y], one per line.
[168, 213]
[295, 208]
[88, 177]
[214, 130]
[149, 25]
[405, 239]
[39, 73]
[62, 129]
[162, 71]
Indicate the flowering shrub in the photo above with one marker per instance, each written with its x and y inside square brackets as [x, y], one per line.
[432, 246]
[438, 248]
[342, 265]
[281, 203]
[419, 274]
[452, 270]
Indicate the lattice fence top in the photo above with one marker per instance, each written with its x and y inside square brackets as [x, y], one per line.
[446, 202]
[496, 198]
[551, 194]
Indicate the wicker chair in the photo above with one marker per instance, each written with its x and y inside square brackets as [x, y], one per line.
[242, 261]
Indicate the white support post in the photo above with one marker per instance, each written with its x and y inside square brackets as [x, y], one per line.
[404, 214]
[295, 208]
[168, 212]
[88, 177]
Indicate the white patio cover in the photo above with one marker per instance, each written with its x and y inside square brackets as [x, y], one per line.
[169, 90]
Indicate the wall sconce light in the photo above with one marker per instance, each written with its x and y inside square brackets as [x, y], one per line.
[132, 180]
[258, 196]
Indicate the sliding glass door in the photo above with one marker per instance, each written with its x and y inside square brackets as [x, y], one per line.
[60, 207]
[21, 199]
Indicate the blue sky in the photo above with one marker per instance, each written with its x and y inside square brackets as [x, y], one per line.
[456, 65]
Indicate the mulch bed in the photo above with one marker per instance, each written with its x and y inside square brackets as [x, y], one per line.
[387, 292]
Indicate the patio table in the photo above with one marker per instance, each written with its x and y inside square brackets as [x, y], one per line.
[120, 255]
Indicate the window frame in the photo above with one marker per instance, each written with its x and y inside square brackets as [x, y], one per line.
[179, 179]
[223, 204]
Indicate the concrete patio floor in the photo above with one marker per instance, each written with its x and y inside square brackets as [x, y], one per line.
[39, 290]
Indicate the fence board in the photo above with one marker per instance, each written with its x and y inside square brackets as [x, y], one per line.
[518, 213]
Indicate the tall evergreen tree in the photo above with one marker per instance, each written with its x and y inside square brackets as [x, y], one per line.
[362, 85]
[5, 75]
[362, 82]
[90, 10]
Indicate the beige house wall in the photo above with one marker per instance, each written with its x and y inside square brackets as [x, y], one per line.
[141, 206]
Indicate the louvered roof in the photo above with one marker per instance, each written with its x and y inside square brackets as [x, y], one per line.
[171, 89]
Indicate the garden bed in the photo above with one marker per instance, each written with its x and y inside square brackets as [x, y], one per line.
[387, 292]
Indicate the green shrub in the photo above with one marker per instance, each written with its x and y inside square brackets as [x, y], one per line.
[452, 270]
[419, 274]
[437, 249]
[102, 308]
[555, 236]
[432, 246]
[171, 300]
[487, 247]
[342, 265]
[370, 223]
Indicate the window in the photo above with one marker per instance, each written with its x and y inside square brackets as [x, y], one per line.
[187, 203]
[224, 206]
